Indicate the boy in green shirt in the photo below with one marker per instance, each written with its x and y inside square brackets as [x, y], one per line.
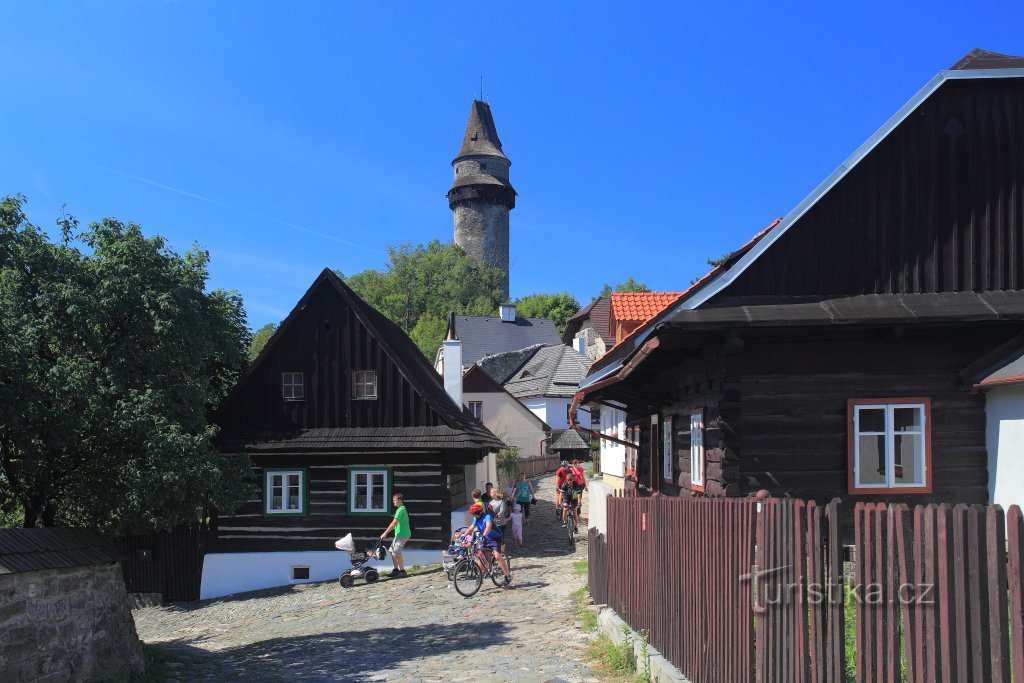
[403, 531]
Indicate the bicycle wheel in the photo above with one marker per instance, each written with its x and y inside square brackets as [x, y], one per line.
[570, 526]
[467, 578]
[497, 576]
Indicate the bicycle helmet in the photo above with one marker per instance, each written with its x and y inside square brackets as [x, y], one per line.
[476, 509]
[565, 463]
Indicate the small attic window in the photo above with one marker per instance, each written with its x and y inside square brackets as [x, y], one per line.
[292, 386]
[526, 373]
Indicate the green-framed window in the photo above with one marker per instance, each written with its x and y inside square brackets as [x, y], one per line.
[369, 491]
[285, 491]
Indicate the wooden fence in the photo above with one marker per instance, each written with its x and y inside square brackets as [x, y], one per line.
[167, 562]
[539, 464]
[748, 590]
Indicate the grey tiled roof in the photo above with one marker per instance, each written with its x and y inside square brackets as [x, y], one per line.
[489, 335]
[549, 371]
[29, 550]
[354, 439]
[568, 440]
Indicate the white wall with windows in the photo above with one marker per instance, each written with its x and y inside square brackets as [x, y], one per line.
[1004, 410]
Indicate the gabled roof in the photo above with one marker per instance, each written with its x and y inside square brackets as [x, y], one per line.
[28, 550]
[481, 136]
[488, 335]
[977, 64]
[402, 351]
[476, 380]
[568, 440]
[548, 371]
[599, 313]
[638, 307]
[1002, 366]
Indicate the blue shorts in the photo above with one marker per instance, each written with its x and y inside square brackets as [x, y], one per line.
[490, 544]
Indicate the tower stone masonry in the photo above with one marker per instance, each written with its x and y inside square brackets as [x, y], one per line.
[481, 195]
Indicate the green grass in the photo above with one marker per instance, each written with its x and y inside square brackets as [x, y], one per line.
[579, 567]
[616, 660]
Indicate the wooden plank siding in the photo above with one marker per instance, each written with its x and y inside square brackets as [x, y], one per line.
[325, 342]
[421, 478]
[792, 408]
[930, 209]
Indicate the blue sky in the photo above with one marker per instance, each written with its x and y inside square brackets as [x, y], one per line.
[286, 137]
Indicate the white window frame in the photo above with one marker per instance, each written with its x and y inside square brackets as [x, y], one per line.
[924, 444]
[668, 469]
[361, 380]
[476, 409]
[697, 449]
[289, 386]
[268, 487]
[371, 473]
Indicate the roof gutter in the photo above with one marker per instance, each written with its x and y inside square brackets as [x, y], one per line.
[625, 370]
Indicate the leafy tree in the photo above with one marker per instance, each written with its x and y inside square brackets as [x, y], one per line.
[112, 358]
[558, 307]
[715, 262]
[420, 286]
[630, 285]
[260, 339]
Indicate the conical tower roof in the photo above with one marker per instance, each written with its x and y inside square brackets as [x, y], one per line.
[481, 136]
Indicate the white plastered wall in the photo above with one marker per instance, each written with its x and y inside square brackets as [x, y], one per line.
[228, 573]
[1004, 410]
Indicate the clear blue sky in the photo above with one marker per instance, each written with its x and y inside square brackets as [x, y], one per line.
[286, 137]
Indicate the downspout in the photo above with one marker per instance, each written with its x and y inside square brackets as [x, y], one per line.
[647, 349]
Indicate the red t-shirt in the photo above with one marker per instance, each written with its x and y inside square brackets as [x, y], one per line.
[560, 474]
[578, 473]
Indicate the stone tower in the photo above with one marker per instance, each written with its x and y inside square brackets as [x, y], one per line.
[481, 195]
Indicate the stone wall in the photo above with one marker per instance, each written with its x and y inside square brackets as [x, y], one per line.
[67, 624]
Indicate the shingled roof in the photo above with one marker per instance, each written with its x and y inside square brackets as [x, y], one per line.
[599, 313]
[29, 550]
[568, 440]
[489, 335]
[983, 59]
[481, 136]
[546, 371]
[461, 429]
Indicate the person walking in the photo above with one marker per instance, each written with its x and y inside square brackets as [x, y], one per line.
[501, 512]
[524, 496]
[517, 524]
[403, 532]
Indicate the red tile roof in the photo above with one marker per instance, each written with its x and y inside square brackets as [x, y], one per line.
[639, 307]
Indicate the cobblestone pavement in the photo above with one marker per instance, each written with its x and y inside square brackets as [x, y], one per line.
[415, 629]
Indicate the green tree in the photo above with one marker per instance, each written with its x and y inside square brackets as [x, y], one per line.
[630, 285]
[715, 262]
[260, 338]
[558, 307]
[421, 285]
[112, 357]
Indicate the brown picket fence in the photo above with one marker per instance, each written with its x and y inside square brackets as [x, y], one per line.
[752, 590]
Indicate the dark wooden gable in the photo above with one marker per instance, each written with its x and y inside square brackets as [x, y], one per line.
[936, 206]
[326, 337]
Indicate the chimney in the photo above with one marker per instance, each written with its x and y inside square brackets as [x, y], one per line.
[580, 344]
[452, 363]
[507, 311]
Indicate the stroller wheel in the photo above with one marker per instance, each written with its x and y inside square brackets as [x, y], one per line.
[371, 576]
[346, 580]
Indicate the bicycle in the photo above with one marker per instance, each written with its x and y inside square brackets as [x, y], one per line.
[571, 521]
[467, 576]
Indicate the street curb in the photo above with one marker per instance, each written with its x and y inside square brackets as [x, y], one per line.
[611, 625]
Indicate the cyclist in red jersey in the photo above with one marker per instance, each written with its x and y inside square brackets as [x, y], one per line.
[560, 475]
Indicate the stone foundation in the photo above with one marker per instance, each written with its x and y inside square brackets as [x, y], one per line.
[67, 624]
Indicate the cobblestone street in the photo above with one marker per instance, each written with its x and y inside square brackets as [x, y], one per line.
[415, 629]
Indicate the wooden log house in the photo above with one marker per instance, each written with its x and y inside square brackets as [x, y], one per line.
[338, 412]
[837, 354]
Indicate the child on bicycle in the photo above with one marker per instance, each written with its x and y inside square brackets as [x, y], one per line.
[490, 537]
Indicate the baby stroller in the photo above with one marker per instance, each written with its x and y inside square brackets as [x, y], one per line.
[359, 570]
[458, 549]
